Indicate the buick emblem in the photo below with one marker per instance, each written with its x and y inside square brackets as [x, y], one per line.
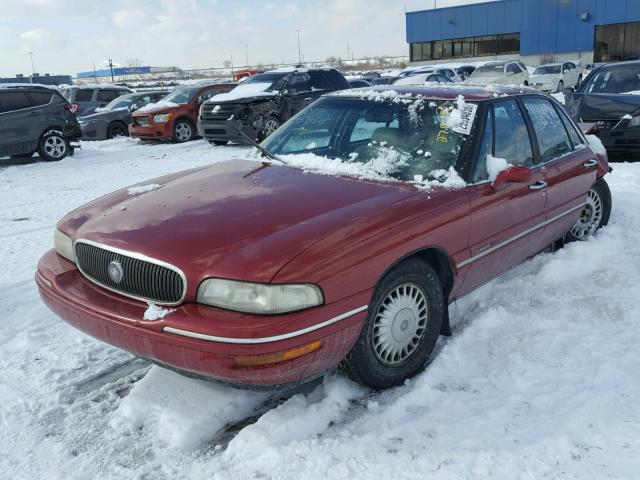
[116, 272]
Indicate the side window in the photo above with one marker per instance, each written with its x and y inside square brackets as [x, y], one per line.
[107, 95]
[41, 98]
[552, 137]
[513, 68]
[486, 148]
[84, 95]
[12, 101]
[522, 66]
[299, 82]
[320, 81]
[443, 79]
[576, 139]
[511, 135]
[433, 78]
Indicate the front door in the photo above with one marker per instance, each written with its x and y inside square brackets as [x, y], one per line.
[570, 167]
[507, 224]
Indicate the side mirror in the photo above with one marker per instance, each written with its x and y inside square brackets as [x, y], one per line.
[513, 174]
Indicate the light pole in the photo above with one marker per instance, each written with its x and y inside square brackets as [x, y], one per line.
[33, 70]
[299, 49]
[246, 54]
[111, 67]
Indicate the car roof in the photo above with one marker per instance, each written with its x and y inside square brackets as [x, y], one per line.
[31, 86]
[631, 63]
[438, 91]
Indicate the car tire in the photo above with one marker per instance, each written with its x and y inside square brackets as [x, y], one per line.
[412, 293]
[560, 86]
[526, 83]
[183, 131]
[53, 146]
[595, 214]
[218, 142]
[270, 125]
[117, 129]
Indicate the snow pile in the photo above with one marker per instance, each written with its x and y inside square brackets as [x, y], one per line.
[244, 90]
[156, 106]
[559, 97]
[496, 165]
[180, 412]
[154, 312]
[137, 190]
[596, 145]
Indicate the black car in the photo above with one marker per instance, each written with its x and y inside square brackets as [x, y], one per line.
[113, 120]
[263, 102]
[36, 119]
[610, 98]
[465, 71]
[359, 83]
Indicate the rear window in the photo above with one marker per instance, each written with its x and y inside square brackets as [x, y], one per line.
[83, 95]
[41, 98]
[11, 101]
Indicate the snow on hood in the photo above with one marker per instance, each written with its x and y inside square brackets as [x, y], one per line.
[156, 106]
[244, 90]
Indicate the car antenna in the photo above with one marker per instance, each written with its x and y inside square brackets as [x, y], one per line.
[264, 151]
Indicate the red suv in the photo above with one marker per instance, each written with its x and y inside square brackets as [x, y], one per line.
[263, 273]
[175, 117]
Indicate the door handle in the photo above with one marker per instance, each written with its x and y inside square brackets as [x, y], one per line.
[590, 163]
[538, 185]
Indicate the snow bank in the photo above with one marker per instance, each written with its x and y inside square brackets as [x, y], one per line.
[180, 412]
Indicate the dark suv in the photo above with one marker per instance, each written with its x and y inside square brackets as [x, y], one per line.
[36, 119]
[263, 102]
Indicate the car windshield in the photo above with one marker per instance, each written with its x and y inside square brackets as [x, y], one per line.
[613, 80]
[489, 70]
[182, 95]
[549, 69]
[274, 79]
[404, 138]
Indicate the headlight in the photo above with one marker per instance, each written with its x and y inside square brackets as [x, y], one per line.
[64, 245]
[258, 298]
[162, 118]
[635, 121]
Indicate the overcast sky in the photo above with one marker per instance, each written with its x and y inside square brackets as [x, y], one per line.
[68, 36]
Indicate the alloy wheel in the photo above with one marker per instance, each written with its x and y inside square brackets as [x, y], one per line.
[590, 217]
[183, 131]
[55, 147]
[270, 126]
[400, 324]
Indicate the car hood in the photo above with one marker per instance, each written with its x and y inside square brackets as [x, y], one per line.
[547, 78]
[244, 93]
[237, 219]
[587, 107]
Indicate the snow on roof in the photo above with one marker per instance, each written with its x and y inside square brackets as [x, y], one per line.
[28, 85]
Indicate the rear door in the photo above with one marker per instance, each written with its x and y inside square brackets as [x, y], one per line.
[20, 123]
[569, 167]
[506, 225]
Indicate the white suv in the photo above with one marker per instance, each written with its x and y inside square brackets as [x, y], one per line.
[504, 73]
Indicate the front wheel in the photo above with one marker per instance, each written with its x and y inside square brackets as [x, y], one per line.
[53, 146]
[595, 213]
[270, 125]
[183, 131]
[402, 327]
[117, 129]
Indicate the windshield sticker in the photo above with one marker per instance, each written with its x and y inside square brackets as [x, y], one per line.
[467, 114]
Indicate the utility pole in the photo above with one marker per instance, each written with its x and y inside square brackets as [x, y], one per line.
[299, 49]
[33, 70]
[348, 51]
[246, 54]
[232, 76]
[111, 67]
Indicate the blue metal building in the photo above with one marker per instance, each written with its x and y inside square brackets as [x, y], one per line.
[592, 30]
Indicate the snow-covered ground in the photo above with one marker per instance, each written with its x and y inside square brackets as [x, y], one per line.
[540, 379]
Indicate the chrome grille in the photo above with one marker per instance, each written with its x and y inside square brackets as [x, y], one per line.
[221, 112]
[144, 278]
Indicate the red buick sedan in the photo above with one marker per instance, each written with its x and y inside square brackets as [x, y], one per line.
[371, 211]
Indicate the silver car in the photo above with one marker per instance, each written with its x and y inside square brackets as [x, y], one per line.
[113, 120]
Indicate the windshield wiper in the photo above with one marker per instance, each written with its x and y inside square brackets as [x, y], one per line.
[235, 124]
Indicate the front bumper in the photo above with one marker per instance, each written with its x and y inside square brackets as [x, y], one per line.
[222, 131]
[621, 142]
[224, 336]
[152, 131]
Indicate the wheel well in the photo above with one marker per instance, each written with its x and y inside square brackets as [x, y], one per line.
[113, 122]
[186, 119]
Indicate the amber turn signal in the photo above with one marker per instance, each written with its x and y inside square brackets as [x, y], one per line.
[270, 358]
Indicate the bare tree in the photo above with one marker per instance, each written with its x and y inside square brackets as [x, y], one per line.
[133, 62]
[226, 64]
